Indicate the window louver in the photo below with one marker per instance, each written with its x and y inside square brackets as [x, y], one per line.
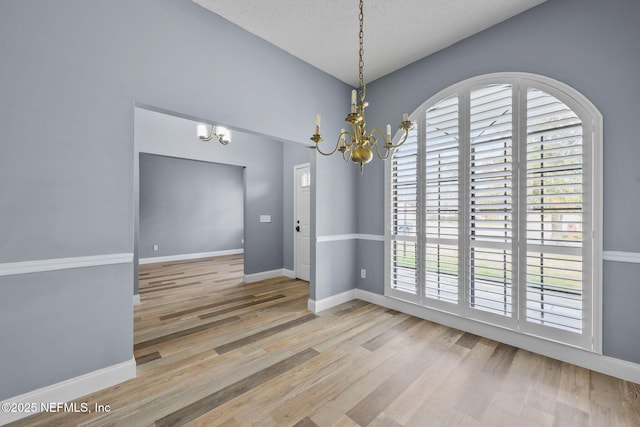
[490, 198]
[554, 213]
[404, 202]
[442, 201]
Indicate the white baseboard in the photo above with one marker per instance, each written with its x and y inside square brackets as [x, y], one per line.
[264, 275]
[332, 301]
[289, 273]
[136, 299]
[184, 257]
[70, 389]
[37, 266]
[596, 362]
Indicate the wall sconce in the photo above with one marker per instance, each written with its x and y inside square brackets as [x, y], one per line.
[223, 135]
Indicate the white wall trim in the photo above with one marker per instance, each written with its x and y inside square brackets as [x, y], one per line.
[25, 267]
[336, 237]
[374, 237]
[136, 299]
[332, 301]
[184, 257]
[597, 362]
[353, 236]
[264, 275]
[620, 256]
[71, 389]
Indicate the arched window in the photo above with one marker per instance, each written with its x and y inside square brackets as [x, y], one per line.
[494, 208]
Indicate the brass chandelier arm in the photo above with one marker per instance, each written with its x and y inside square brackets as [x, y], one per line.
[330, 152]
[388, 146]
[385, 146]
[386, 153]
[337, 147]
[404, 138]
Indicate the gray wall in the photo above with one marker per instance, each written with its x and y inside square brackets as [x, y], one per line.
[55, 325]
[335, 266]
[189, 207]
[67, 166]
[338, 273]
[591, 45]
[370, 256]
[294, 154]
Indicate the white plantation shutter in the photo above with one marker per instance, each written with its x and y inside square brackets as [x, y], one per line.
[490, 199]
[495, 211]
[555, 217]
[404, 211]
[442, 201]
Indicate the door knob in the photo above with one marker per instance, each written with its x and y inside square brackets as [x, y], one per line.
[298, 228]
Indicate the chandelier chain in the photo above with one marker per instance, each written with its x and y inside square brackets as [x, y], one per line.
[358, 145]
[363, 87]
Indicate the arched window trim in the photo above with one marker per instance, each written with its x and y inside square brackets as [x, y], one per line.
[592, 137]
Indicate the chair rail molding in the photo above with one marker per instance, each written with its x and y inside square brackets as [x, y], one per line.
[352, 236]
[620, 256]
[38, 266]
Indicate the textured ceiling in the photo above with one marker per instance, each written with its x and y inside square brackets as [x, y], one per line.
[397, 32]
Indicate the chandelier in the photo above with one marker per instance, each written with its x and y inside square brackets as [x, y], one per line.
[357, 145]
[223, 135]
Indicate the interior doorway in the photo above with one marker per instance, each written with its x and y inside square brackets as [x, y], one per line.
[302, 218]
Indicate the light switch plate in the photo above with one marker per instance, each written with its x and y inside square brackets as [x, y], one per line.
[265, 218]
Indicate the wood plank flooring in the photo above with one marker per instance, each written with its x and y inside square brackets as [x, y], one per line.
[213, 351]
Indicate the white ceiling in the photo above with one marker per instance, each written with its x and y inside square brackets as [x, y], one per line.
[396, 32]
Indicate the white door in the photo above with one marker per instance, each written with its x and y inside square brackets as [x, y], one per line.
[301, 218]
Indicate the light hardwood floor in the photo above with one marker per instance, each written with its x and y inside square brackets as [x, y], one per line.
[213, 351]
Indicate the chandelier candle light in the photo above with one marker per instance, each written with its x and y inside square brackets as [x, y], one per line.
[358, 145]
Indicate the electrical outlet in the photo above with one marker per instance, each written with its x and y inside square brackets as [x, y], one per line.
[363, 273]
[155, 248]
